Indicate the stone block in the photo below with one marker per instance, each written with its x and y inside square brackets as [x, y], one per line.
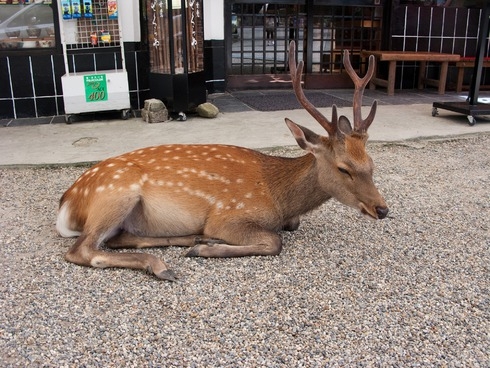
[207, 110]
[154, 111]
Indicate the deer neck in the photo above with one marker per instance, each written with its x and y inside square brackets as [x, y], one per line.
[294, 185]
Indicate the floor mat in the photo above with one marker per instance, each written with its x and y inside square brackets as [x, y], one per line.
[288, 101]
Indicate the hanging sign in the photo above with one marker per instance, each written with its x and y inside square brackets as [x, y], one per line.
[95, 88]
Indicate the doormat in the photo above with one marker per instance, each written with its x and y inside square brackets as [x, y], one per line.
[287, 101]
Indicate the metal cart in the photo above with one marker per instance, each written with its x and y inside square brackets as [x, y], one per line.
[471, 107]
[90, 29]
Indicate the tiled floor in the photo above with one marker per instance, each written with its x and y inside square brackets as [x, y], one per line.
[231, 102]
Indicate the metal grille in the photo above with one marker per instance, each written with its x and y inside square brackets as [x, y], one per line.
[99, 31]
[256, 50]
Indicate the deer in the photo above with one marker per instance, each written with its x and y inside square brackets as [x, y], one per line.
[219, 200]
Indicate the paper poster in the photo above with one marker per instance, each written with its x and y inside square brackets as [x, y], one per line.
[112, 9]
[66, 8]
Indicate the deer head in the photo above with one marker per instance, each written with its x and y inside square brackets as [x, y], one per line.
[222, 201]
[347, 168]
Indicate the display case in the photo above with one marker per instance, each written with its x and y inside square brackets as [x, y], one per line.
[176, 36]
[87, 29]
[26, 24]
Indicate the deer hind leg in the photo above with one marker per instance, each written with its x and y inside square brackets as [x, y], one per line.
[240, 241]
[128, 240]
[86, 252]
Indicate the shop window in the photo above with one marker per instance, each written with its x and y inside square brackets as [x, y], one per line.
[26, 24]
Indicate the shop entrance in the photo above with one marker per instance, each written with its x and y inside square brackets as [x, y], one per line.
[258, 36]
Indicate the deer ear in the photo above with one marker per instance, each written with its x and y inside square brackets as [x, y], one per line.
[307, 139]
[344, 125]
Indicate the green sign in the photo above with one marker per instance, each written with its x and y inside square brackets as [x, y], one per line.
[95, 88]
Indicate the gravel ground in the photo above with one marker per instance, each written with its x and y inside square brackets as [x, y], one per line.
[410, 290]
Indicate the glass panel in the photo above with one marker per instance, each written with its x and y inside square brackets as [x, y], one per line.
[261, 34]
[27, 25]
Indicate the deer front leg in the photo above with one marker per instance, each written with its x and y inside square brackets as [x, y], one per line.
[240, 241]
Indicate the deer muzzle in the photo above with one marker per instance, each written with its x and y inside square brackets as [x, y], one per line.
[377, 213]
[381, 212]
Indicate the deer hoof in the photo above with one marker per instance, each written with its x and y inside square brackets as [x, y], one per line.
[168, 275]
[193, 252]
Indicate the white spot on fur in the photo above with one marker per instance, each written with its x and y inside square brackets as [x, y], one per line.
[100, 189]
[248, 195]
[135, 187]
[240, 205]
[116, 177]
[239, 181]
[111, 164]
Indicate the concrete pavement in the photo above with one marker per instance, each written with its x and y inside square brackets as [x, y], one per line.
[95, 141]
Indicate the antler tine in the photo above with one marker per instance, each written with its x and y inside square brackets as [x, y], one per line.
[360, 125]
[296, 73]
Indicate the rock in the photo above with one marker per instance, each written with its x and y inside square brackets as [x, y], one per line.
[207, 110]
[154, 111]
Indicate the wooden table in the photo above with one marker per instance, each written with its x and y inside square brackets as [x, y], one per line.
[422, 57]
[468, 62]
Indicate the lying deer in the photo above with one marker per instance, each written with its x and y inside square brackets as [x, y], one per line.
[223, 201]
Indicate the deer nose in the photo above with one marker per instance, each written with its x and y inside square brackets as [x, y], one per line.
[381, 212]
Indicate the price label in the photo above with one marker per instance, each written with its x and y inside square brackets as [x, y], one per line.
[95, 88]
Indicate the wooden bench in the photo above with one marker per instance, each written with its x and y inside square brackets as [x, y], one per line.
[422, 57]
[467, 62]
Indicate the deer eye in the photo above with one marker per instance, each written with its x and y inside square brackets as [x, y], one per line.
[344, 171]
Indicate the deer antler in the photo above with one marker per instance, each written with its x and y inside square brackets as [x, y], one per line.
[360, 125]
[330, 127]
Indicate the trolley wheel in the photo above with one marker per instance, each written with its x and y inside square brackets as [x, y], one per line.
[434, 111]
[471, 120]
[69, 119]
[125, 114]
